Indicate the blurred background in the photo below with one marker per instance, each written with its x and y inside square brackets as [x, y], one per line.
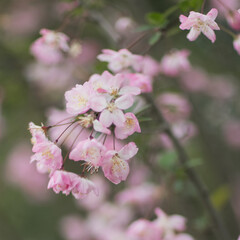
[206, 96]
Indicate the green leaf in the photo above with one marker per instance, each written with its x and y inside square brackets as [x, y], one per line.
[168, 160]
[187, 5]
[155, 37]
[157, 19]
[220, 196]
[144, 119]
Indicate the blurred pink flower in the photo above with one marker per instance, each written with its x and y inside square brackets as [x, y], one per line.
[231, 132]
[183, 130]
[143, 229]
[175, 62]
[144, 195]
[194, 80]
[124, 25]
[236, 44]
[174, 106]
[233, 18]
[92, 202]
[20, 173]
[220, 87]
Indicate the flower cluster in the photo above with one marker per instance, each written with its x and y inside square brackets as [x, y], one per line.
[102, 108]
[164, 227]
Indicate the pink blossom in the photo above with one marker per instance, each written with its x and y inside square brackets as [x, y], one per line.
[48, 156]
[142, 195]
[115, 163]
[220, 88]
[51, 78]
[115, 86]
[139, 80]
[183, 130]
[130, 126]
[111, 110]
[194, 80]
[50, 47]
[231, 131]
[66, 182]
[124, 25]
[198, 22]
[174, 106]
[143, 229]
[169, 224]
[38, 134]
[236, 44]
[119, 60]
[88, 150]
[78, 99]
[233, 18]
[175, 62]
[228, 5]
[93, 202]
[149, 66]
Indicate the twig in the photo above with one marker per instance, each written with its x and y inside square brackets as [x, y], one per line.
[219, 229]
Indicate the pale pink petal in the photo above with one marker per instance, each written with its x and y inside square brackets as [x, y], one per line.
[209, 33]
[98, 103]
[193, 34]
[213, 13]
[128, 151]
[124, 102]
[106, 118]
[118, 117]
[130, 90]
[98, 126]
[182, 18]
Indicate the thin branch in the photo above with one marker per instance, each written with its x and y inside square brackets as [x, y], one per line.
[218, 226]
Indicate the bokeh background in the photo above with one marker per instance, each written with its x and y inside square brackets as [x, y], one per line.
[29, 90]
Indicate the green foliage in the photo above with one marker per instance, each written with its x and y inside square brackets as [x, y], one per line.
[155, 37]
[156, 19]
[188, 5]
[220, 196]
[168, 160]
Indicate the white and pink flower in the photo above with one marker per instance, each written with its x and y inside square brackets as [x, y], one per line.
[119, 60]
[67, 182]
[89, 150]
[131, 125]
[115, 163]
[49, 48]
[48, 156]
[197, 22]
[175, 62]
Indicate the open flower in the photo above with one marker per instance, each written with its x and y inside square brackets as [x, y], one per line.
[48, 156]
[89, 150]
[50, 47]
[115, 163]
[78, 99]
[198, 22]
[130, 126]
[119, 60]
[66, 182]
[111, 110]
